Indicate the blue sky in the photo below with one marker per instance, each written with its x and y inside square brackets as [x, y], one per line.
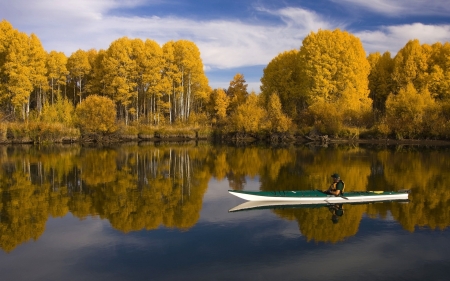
[233, 36]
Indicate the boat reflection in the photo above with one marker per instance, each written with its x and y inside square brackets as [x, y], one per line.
[260, 205]
[328, 223]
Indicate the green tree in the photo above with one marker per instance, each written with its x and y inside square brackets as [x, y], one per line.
[96, 115]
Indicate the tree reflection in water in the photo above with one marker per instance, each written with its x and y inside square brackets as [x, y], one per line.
[138, 187]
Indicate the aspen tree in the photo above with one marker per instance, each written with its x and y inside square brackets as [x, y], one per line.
[17, 68]
[56, 72]
[78, 67]
[334, 69]
[120, 74]
[380, 80]
[281, 76]
[237, 91]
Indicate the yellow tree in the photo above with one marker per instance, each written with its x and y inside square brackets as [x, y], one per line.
[17, 69]
[96, 83]
[282, 76]
[279, 122]
[194, 84]
[221, 102]
[380, 80]
[237, 91]
[78, 67]
[120, 74]
[406, 111]
[96, 115]
[7, 33]
[439, 70]
[249, 116]
[149, 61]
[410, 66]
[170, 81]
[56, 72]
[334, 69]
[37, 58]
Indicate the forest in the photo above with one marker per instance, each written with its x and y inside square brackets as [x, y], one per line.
[136, 88]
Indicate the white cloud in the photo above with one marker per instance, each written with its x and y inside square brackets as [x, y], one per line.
[224, 44]
[393, 38]
[400, 8]
[70, 25]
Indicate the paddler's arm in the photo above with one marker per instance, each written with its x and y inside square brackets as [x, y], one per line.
[335, 192]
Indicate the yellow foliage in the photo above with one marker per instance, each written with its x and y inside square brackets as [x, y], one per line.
[334, 69]
[96, 115]
[249, 116]
[278, 121]
[406, 111]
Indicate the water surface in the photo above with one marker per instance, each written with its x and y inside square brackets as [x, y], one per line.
[160, 212]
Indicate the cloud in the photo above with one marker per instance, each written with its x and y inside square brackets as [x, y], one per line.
[70, 25]
[224, 43]
[400, 8]
[393, 38]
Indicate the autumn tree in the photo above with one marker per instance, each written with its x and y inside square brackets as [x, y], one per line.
[78, 67]
[410, 66]
[221, 103]
[334, 69]
[237, 91]
[380, 80]
[149, 61]
[406, 111]
[7, 32]
[193, 85]
[38, 70]
[120, 75]
[96, 83]
[56, 72]
[96, 115]
[279, 122]
[249, 116]
[281, 76]
[439, 72]
[18, 72]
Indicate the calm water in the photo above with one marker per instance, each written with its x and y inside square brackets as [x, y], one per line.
[160, 212]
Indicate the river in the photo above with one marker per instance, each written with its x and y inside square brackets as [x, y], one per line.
[152, 211]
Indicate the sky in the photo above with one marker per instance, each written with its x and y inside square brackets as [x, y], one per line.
[234, 36]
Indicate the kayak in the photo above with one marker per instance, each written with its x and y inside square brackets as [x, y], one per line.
[260, 205]
[317, 196]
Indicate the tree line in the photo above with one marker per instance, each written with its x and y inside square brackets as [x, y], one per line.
[327, 86]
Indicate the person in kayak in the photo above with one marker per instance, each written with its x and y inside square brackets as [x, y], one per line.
[337, 187]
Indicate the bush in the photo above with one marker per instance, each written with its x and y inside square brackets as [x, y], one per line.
[96, 114]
